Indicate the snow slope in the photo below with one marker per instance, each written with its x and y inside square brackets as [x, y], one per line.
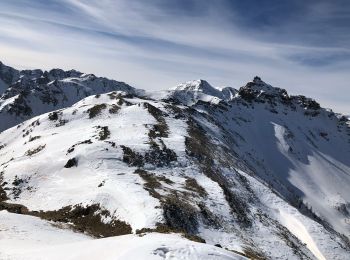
[27, 233]
[26, 237]
[304, 156]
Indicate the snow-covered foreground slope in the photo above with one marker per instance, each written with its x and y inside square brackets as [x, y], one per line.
[117, 164]
[21, 233]
[26, 237]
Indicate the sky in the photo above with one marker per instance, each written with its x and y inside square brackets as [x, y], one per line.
[302, 46]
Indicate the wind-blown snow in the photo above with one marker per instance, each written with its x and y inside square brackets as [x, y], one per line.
[298, 229]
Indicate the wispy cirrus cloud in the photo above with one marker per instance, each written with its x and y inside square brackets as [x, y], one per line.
[303, 47]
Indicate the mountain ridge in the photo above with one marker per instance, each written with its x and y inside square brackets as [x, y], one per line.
[56, 82]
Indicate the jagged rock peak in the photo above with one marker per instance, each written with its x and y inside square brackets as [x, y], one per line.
[258, 85]
[257, 80]
[10, 75]
[259, 90]
[61, 74]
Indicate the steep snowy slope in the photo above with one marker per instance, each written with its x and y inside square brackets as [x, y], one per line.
[295, 146]
[25, 94]
[116, 164]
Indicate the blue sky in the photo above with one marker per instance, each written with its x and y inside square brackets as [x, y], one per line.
[303, 46]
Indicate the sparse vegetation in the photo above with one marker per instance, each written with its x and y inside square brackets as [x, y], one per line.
[192, 185]
[162, 228]
[253, 253]
[96, 110]
[132, 158]
[151, 182]
[33, 138]
[13, 208]
[209, 218]
[180, 216]
[3, 195]
[53, 116]
[57, 116]
[31, 152]
[30, 128]
[103, 132]
[198, 146]
[18, 184]
[114, 95]
[87, 219]
[160, 157]
[71, 149]
[175, 110]
[161, 129]
[61, 122]
[114, 109]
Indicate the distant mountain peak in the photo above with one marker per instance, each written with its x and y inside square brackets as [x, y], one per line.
[191, 92]
[196, 85]
[60, 74]
[259, 86]
[257, 79]
[27, 93]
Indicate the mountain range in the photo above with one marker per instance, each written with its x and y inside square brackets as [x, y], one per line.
[92, 168]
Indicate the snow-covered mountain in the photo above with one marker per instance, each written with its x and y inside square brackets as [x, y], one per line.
[28, 93]
[255, 171]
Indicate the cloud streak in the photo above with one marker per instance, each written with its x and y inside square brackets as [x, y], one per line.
[303, 47]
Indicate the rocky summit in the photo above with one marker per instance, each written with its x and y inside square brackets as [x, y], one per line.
[88, 164]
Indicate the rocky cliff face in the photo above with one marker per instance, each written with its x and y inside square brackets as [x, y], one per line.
[255, 171]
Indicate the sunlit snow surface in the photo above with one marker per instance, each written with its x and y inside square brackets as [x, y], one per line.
[29, 238]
